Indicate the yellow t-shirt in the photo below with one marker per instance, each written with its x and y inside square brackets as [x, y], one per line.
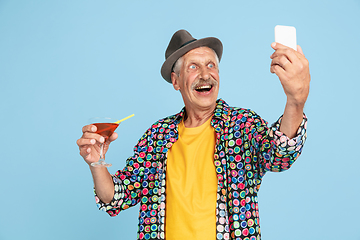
[191, 185]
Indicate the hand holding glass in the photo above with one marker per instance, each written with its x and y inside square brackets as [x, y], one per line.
[105, 127]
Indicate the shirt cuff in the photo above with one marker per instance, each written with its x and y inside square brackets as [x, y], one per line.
[284, 143]
[119, 193]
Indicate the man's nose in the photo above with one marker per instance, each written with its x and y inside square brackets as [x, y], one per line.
[205, 73]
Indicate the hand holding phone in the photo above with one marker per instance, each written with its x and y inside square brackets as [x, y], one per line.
[286, 35]
[291, 67]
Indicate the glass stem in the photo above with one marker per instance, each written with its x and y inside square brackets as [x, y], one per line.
[102, 158]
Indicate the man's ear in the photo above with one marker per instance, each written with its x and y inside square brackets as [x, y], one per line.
[175, 81]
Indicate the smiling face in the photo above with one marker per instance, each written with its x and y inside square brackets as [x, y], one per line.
[198, 79]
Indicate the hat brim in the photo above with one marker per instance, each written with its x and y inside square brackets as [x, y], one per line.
[210, 42]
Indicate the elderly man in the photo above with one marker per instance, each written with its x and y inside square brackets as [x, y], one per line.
[196, 174]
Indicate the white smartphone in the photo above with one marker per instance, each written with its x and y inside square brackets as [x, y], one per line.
[286, 35]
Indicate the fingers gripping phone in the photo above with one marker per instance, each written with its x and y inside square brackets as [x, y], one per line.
[286, 35]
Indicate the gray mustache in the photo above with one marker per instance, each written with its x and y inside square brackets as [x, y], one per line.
[200, 82]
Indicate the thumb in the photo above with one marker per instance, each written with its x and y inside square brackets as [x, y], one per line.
[276, 45]
[113, 137]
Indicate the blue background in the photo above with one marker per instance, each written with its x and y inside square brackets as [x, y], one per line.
[63, 62]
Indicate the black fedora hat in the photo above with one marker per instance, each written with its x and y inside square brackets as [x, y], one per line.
[182, 42]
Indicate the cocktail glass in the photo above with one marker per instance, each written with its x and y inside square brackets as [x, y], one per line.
[105, 127]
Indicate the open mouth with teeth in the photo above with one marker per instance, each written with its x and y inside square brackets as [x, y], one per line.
[205, 88]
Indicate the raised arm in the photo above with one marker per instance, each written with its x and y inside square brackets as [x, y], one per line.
[292, 68]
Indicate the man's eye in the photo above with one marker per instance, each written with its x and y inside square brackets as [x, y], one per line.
[210, 65]
[192, 67]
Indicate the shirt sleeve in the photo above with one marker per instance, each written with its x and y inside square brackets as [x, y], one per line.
[127, 182]
[117, 203]
[277, 151]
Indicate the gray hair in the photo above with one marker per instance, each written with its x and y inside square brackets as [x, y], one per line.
[178, 64]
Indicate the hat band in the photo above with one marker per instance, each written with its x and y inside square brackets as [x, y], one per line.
[187, 43]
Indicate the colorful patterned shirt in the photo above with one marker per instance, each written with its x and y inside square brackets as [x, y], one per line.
[245, 150]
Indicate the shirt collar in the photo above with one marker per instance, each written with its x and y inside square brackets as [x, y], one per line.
[221, 113]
